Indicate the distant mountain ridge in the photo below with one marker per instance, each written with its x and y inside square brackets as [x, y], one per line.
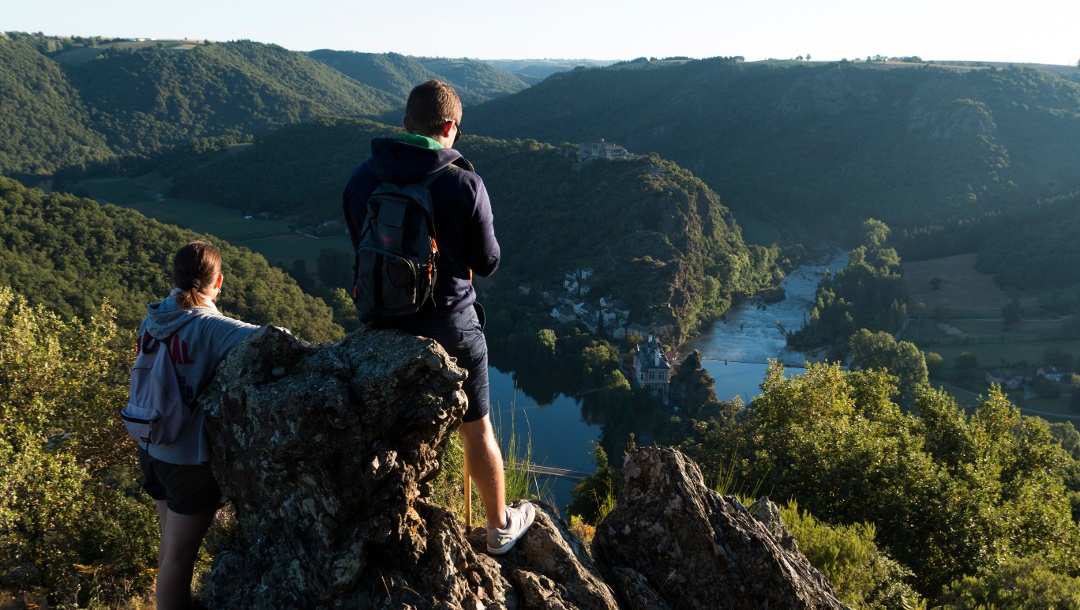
[475, 81]
[71, 104]
[533, 71]
[827, 145]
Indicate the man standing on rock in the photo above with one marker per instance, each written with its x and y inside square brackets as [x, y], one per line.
[466, 245]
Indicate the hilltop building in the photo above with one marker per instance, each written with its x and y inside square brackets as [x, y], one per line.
[601, 150]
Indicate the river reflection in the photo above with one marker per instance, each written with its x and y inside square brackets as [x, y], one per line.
[735, 352]
[554, 425]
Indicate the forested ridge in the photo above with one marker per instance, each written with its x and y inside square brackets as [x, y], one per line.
[70, 104]
[45, 124]
[147, 100]
[827, 141]
[475, 81]
[655, 235]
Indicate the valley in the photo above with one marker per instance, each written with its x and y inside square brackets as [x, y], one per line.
[901, 235]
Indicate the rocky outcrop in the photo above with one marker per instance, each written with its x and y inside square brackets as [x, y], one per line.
[327, 452]
[672, 537]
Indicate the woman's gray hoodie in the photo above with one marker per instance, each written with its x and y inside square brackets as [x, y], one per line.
[198, 339]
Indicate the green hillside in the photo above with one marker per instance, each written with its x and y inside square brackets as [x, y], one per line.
[72, 103]
[473, 78]
[655, 234]
[393, 73]
[152, 98]
[298, 170]
[44, 123]
[1035, 250]
[396, 74]
[823, 146]
[68, 254]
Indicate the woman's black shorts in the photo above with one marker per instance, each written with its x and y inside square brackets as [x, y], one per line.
[186, 489]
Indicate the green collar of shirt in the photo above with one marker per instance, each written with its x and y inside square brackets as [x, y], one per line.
[421, 141]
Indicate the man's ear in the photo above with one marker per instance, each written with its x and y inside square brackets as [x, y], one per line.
[447, 126]
[405, 122]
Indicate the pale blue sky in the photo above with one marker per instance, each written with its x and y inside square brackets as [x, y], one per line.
[1032, 31]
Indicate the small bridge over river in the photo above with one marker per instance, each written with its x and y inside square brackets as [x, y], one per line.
[552, 471]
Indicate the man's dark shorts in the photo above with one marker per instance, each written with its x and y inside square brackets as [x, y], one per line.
[186, 489]
[462, 336]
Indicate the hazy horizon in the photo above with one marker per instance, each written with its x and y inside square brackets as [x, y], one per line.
[997, 31]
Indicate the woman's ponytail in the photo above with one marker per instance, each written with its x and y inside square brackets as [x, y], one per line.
[195, 269]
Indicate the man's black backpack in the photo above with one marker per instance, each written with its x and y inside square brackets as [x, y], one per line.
[395, 258]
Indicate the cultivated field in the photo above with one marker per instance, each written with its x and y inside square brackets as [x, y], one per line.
[964, 315]
[81, 55]
[961, 288]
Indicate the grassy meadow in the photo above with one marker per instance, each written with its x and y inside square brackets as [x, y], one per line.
[274, 238]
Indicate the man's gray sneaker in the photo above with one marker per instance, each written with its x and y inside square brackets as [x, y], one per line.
[518, 519]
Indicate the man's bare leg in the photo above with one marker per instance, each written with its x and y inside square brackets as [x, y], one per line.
[485, 464]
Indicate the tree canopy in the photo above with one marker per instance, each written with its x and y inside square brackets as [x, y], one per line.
[951, 496]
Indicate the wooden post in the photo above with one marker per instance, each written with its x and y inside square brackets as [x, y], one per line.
[468, 492]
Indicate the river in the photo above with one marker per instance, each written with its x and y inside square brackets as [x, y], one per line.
[735, 352]
[737, 349]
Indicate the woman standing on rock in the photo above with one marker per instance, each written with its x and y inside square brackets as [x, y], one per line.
[177, 474]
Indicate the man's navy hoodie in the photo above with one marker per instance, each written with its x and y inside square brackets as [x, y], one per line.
[463, 222]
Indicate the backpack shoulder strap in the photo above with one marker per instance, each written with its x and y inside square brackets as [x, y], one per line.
[426, 182]
[150, 343]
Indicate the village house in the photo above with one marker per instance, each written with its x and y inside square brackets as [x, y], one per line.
[652, 368]
[609, 317]
[570, 284]
[564, 313]
[1009, 380]
[1053, 373]
[615, 305]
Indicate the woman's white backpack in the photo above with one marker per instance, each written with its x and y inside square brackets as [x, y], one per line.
[155, 413]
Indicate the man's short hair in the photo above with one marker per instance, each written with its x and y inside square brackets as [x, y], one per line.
[430, 105]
